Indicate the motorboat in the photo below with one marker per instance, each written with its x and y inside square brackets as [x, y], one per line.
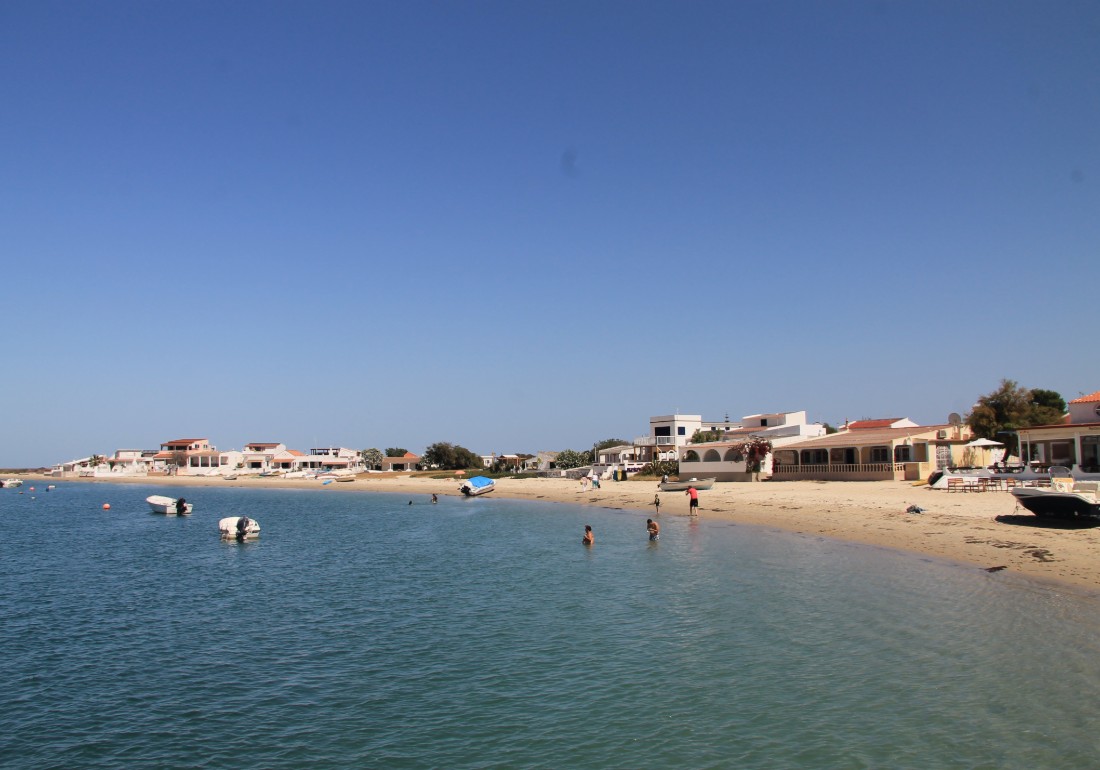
[683, 486]
[168, 505]
[476, 485]
[11, 483]
[239, 528]
[1065, 498]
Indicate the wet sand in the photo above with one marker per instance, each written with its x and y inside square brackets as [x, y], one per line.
[985, 530]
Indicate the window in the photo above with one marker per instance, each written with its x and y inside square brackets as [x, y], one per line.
[662, 430]
[681, 431]
[880, 454]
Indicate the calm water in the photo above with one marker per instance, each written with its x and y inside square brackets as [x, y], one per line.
[361, 631]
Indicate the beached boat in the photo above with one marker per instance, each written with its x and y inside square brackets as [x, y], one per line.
[239, 528]
[11, 483]
[681, 486]
[345, 478]
[168, 505]
[1065, 498]
[477, 485]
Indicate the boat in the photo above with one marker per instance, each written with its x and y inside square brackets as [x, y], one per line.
[476, 485]
[231, 528]
[1065, 498]
[682, 486]
[11, 483]
[167, 505]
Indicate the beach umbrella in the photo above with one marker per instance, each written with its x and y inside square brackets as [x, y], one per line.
[984, 442]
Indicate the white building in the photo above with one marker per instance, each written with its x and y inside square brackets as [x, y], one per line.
[724, 460]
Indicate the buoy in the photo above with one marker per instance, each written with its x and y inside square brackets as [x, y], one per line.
[106, 506]
[32, 489]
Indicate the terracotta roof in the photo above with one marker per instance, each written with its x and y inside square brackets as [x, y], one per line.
[262, 444]
[410, 455]
[1089, 399]
[295, 452]
[185, 441]
[872, 424]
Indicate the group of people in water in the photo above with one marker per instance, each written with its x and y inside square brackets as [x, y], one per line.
[651, 527]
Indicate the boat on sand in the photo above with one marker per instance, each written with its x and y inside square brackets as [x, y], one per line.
[681, 486]
[1065, 498]
[476, 485]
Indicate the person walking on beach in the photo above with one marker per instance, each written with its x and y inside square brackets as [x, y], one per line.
[589, 538]
[653, 528]
[693, 506]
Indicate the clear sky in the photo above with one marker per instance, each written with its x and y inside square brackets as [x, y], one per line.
[520, 226]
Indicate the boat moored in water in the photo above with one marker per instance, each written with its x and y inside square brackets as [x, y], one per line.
[169, 506]
[11, 483]
[240, 528]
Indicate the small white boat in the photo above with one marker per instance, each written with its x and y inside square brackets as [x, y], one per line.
[11, 483]
[682, 486]
[476, 485]
[169, 506]
[239, 528]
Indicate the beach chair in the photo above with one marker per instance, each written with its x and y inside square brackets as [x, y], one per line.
[956, 485]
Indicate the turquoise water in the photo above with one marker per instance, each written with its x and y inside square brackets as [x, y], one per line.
[360, 631]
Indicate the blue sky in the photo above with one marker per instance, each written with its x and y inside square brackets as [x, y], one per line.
[532, 225]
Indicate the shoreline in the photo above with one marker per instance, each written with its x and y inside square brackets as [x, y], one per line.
[957, 527]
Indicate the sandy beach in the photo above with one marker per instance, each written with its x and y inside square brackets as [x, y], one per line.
[984, 530]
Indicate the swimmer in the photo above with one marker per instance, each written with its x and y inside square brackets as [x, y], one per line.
[653, 528]
[589, 538]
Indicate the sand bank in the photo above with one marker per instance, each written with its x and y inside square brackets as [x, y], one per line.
[981, 529]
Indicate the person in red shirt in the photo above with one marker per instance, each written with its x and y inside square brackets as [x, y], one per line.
[693, 506]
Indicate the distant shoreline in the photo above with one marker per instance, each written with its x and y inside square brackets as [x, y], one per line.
[956, 527]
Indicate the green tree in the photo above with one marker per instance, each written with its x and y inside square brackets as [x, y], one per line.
[372, 457]
[998, 415]
[702, 436]
[1047, 407]
[395, 451]
[444, 454]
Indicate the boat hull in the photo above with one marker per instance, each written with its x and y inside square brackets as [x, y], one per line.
[166, 505]
[683, 486]
[1056, 505]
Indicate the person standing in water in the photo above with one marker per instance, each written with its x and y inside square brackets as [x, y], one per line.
[589, 538]
[693, 506]
[653, 528]
[181, 507]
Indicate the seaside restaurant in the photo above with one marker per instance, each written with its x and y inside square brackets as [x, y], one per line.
[907, 453]
[1074, 442]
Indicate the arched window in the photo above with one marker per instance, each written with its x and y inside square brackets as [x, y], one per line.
[733, 456]
[711, 456]
[691, 456]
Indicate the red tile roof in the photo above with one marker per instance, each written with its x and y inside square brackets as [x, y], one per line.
[868, 424]
[1090, 398]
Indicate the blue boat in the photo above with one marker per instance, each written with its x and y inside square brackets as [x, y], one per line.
[477, 485]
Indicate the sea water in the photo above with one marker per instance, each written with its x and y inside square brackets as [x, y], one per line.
[364, 631]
